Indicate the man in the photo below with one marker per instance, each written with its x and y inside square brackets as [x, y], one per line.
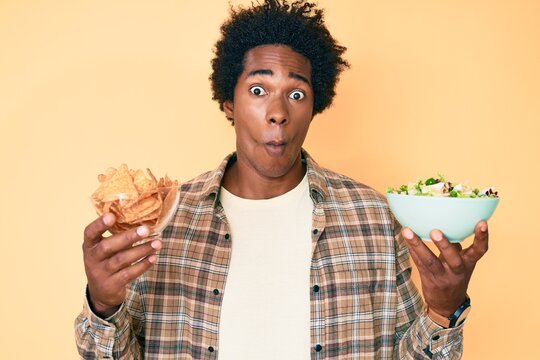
[271, 256]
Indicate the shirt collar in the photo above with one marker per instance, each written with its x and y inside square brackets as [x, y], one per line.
[315, 176]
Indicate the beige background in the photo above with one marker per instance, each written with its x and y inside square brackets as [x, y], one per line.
[449, 86]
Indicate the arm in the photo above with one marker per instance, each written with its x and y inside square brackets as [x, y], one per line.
[445, 279]
[116, 337]
[112, 317]
[415, 331]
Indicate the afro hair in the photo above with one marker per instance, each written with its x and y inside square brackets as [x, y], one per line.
[299, 25]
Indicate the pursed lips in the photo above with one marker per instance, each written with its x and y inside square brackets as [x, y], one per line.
[275, 147]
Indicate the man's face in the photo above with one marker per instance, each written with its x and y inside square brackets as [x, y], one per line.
[272, 109]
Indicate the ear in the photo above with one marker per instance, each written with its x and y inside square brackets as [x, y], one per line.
[228, 107]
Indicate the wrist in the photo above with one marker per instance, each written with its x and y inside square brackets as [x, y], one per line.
[98, 308]
[456, 318]
[448, 309]
[103, 311]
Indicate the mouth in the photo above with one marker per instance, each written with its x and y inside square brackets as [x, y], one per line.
[275, 147]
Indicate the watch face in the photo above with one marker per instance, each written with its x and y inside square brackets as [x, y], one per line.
[461, 318]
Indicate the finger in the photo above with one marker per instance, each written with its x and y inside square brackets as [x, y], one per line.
[116, 243]
[449, 253]
[425, 257]
[425, 276]
[480, 244]
[93, 233]
[128, 257]
[130, 273]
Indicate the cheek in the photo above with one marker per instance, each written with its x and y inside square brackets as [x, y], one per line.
[305, 110]
[248, 125]
[305, 131]
[304, 119]
[248, 110]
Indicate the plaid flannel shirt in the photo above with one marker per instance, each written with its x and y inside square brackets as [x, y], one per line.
[363, 302]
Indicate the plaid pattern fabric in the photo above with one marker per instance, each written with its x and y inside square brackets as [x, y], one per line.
[363, 302]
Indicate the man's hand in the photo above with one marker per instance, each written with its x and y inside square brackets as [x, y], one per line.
[111, 263]
[445, 278]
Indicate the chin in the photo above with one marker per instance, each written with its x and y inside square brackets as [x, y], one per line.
[276, 170]
[273, 172]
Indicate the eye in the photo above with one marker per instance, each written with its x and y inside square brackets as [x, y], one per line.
[257, 90]
[297, 95]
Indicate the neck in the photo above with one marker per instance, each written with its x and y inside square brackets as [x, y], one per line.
[242, 181]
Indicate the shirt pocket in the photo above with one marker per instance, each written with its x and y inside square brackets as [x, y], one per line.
[359, 285]
[355, 297]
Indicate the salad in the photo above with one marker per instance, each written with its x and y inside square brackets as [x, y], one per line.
[440, 187]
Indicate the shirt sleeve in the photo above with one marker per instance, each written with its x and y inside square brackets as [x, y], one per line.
[116, 337]
[417, 336]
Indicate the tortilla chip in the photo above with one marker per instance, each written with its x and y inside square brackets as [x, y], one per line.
[144, 184]
[135, 198]
[118, 186]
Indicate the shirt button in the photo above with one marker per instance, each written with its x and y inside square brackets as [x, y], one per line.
[216, 292]
[315, 231]
[436, 337]
[227, 236]
[316, 288]
[318, 347]
[211, 349]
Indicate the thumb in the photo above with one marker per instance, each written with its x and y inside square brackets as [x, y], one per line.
[93, 233]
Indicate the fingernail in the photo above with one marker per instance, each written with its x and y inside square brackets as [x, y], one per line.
[156, 244]
[152, 258]
[142, 231]
[483, 227]
[436, 235]
[408, 234]
[108, 219]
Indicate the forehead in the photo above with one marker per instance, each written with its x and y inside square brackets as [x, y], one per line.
[276, 58]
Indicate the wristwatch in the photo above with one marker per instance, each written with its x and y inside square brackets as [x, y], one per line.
[456, 319]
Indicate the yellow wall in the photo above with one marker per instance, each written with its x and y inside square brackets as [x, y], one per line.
[449, 86]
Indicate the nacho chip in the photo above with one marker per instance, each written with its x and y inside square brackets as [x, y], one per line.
[141, 208]
[116, 185]
[143, 184]
[136, 198]
[151, 175]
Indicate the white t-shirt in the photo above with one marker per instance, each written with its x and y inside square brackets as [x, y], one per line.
[266, 308]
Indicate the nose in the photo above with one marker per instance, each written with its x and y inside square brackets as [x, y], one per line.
[277, 112]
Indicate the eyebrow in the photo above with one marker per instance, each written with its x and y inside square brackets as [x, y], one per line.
[270, 72]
